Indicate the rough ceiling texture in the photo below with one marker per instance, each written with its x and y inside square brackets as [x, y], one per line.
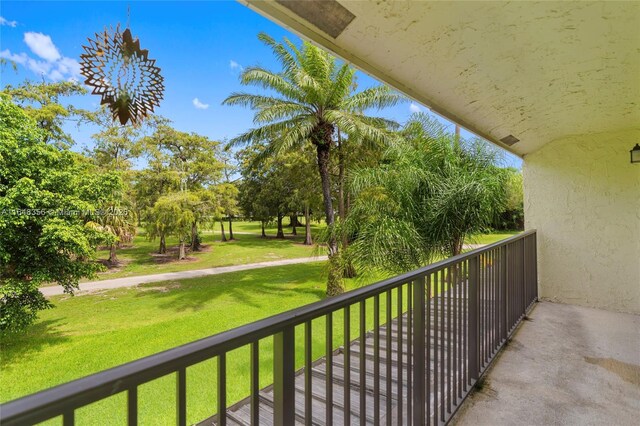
[537, 71]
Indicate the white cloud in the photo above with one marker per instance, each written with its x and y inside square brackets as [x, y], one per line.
[54, 66]
[70, 67]
[41, 45]
[415, 107]
[56, 75]
[8, 23]
[199, 105]
[235, 66]
[21, 59]
[38, 67]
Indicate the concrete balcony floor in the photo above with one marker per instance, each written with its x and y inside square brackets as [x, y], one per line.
[568, 365]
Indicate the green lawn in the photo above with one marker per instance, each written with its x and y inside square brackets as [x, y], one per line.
[86, 334]
[491, 238]
[141, 257]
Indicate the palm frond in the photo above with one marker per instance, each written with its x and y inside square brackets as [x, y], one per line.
[341, 86]
[281, 111]
[286, 58]
[258, 102]
[359, 126]
[282, 134]
[377, 97]
[266, 79]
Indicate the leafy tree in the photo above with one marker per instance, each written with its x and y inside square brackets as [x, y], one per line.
[252, 200]
[313, 97]
[42, 102]
[304, 192]
[428, 194]
[228, 200]
[115, 146]
[274, 186]
[173, 214]
[192, 157]
[512, 216]
[4, 62]
[119, 222]
[228, 191]
[47, 197]
[151, 183]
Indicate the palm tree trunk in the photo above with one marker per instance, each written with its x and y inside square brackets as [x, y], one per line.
[224, 237]
[307, 226]
[264, 235]
[280, 233]
[341, 210]
[456, 245]
[113, 258]
[323, 167]
[231, 228]
[335, 283]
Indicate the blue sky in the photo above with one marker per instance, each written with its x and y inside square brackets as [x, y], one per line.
[201, 47]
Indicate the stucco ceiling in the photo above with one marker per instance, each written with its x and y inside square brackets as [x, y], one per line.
[537, 71]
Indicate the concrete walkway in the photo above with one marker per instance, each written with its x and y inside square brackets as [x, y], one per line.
[569, 365]
[133, 281]
[143, 279]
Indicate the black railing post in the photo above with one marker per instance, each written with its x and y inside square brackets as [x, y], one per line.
[418, 348]
[473, 353]
[181, 397]
[255, 383]
[132, 407]
[68, 418]
[523, 277]
[284, 377]
[504, 328]
[222, 390]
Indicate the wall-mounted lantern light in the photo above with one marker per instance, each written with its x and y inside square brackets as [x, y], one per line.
[635, 154]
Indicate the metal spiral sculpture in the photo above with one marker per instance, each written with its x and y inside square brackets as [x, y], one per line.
[120, 72]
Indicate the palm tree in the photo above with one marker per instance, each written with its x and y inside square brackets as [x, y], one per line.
[313, 96]
[120, 224]
[431, 192]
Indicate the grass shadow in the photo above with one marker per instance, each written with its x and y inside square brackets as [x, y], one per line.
[244, 287]
[35, 339]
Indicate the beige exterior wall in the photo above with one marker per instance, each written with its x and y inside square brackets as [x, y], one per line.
[582, 194]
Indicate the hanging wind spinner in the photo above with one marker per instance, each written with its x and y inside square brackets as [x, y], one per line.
[120, 72]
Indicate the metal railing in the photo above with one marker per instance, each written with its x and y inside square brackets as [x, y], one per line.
[444, 323]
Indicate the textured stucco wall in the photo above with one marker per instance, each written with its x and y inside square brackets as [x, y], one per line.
[583, 196]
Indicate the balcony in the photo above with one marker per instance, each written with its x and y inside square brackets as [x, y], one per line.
[413, 348]
[569, 365]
